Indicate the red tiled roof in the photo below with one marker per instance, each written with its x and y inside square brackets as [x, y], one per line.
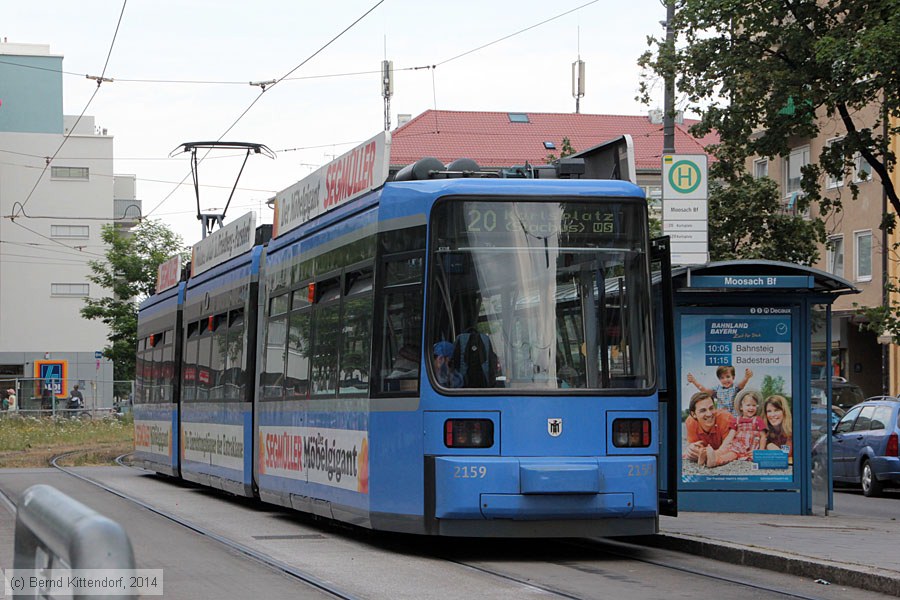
[491, 140]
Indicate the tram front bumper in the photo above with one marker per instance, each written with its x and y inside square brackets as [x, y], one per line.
[474, 487]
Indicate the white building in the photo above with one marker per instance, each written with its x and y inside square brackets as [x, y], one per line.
[51, 214]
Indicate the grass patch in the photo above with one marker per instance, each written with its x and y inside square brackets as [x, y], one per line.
[32, 441]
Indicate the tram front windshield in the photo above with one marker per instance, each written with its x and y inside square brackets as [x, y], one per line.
[540, 295]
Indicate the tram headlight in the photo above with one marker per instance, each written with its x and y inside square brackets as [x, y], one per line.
[631, 433]
[468, 433]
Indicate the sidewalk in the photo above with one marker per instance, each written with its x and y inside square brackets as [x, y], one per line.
[842, 550]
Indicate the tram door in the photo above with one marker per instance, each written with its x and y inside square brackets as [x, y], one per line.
[669, 418]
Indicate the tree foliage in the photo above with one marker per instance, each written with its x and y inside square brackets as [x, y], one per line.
[746, 221]
[773, 385]
[565, 150]
[129, 275]
[788, 69]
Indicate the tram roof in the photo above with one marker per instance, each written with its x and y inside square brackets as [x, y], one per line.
[530, 187]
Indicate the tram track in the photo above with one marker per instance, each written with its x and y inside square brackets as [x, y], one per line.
[620, 550]
[632, 552]
[259, 557]
[281, 567]
[552, 554]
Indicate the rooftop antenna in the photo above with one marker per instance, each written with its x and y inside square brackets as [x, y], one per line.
[387, 86]
[208, 220]
[578, 77]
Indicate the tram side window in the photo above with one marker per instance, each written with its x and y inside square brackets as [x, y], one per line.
[189, 373]
[401, 319]
[217, 359]
[298, 346]
[204, 345]
[356, 334]
[235, 364]
[139, 373]
[168, 372]
[327, 331]
[158, 368]
[272, 375]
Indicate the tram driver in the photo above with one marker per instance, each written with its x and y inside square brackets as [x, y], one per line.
[444, 372]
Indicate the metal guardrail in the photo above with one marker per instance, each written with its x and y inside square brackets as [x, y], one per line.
[55, 531]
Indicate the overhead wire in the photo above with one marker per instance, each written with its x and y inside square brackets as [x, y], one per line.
[78, 120]
[270, 86]
[166, 158]
[59, 243]
[285, 77]
[208, 81]
[506, 37]
[146, 179]
[50, 248]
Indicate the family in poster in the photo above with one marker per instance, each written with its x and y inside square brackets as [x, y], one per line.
[736, 393]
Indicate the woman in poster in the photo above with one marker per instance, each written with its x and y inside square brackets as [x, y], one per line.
[779, 425]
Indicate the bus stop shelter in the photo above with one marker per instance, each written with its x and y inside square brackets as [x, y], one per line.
[745, 334]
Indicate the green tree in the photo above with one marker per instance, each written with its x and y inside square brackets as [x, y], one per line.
[746, 221]
[565, 150]
[129, 275]
[773, 385]
[788, 70]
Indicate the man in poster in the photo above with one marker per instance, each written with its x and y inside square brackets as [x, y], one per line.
[706, 427]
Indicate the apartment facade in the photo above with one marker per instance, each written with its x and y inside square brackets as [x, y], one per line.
[51, 214]
[855, 252]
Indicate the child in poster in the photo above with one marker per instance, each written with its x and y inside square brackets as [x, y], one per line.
[748, 435]
[725, 392]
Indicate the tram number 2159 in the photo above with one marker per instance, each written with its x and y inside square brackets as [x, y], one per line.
[640, 470]
[469, 472]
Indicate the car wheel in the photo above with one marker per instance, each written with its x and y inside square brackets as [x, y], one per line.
[870, 485]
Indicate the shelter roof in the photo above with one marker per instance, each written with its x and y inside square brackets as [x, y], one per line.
[822, 281]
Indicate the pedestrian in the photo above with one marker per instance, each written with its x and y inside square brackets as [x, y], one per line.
[76, 398]
[11, 399]
[47, 398]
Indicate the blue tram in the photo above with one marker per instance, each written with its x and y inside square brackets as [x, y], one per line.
[455, 356]
[157, 375]
[219, 358]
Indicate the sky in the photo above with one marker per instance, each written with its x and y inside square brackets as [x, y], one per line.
[181, 73]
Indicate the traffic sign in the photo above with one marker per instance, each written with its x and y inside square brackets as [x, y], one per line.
[685, 208]
[98, 355]
[684, 177]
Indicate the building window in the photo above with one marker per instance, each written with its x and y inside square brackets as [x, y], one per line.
[654, 196]
[793, 166]
[69, 290]
[834, 255]
[862, 171]
[830, 181]
[70, 231]
[518, 118]
[863, 249]
[760, 168]
[81, 173]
